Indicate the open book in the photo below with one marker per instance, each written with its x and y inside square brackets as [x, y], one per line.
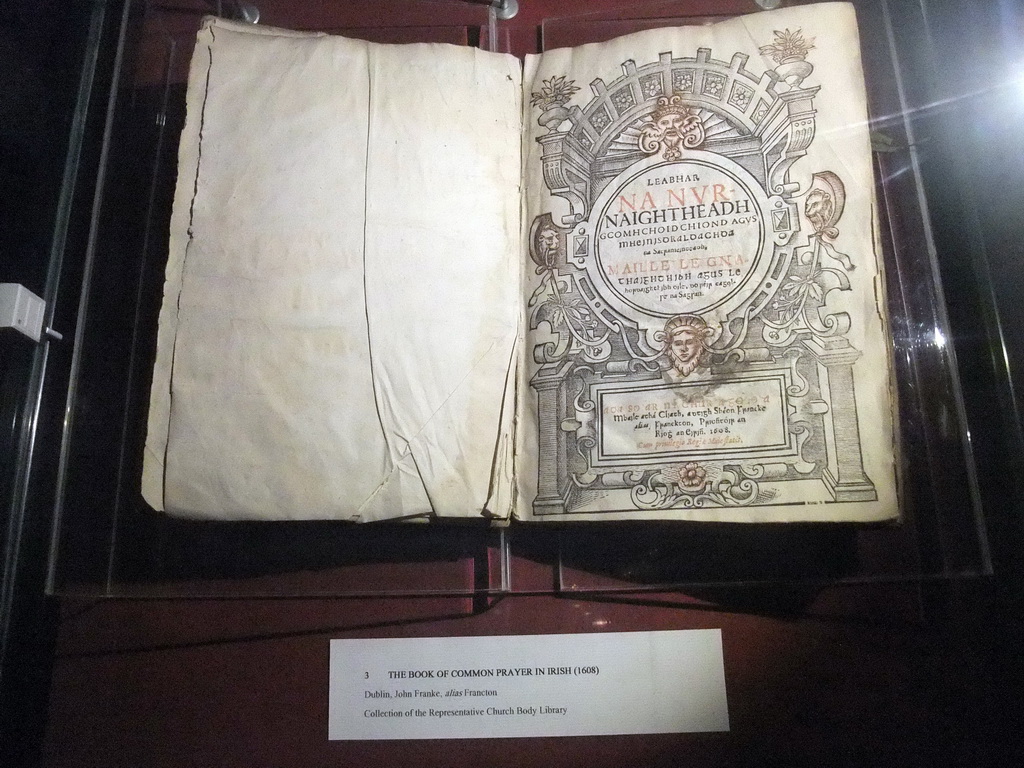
[629, 280]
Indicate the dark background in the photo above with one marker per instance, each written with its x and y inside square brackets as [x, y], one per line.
[913, 674]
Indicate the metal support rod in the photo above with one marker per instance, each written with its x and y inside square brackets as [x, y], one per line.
[503, 9]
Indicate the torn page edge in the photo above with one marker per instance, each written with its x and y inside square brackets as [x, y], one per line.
[499, 502]
[154, 481]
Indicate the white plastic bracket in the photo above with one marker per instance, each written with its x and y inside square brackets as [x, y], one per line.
[24, 311]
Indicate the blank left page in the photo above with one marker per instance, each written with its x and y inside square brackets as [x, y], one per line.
[340, 307]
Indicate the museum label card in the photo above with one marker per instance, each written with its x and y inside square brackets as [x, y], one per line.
[528, 685]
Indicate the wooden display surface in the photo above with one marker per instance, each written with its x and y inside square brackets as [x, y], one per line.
[849, 674]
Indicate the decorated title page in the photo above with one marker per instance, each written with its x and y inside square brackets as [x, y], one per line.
[705, 333]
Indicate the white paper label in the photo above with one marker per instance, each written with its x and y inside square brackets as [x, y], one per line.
[529, 685]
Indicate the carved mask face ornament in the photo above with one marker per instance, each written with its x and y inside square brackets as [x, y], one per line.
[547, 246]
[673, 126]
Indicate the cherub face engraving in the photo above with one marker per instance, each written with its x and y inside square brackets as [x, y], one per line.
[684, 349]
[685, 342]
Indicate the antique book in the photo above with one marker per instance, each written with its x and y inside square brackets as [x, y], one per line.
[630, 280]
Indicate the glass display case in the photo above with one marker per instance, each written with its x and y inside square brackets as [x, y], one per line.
[107, 541]
[133, 637]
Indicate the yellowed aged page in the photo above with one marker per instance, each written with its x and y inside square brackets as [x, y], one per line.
[340, 312]
[706, 330]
